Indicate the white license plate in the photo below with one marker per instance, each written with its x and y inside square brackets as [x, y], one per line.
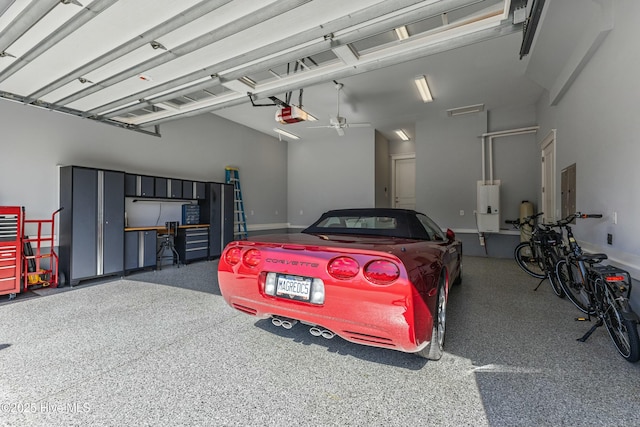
[294, 287]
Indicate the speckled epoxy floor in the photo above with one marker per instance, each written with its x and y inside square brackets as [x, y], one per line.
[162, 348]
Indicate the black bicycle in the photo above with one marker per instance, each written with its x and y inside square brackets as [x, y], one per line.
[601, 291]
[539, 255]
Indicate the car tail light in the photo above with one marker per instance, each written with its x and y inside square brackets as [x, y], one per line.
[233, 256]
[317, 292]
[381, 272]
[252, 257]
[343, 267]
[270, 284]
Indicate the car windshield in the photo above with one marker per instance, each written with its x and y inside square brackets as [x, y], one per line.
[399, 223]
[350, 221]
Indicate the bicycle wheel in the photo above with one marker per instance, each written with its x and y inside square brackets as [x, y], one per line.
[529, 261]
[570, 278]
[551, 259]
[623, 332]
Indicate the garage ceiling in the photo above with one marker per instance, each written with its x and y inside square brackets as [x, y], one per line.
[140, 63]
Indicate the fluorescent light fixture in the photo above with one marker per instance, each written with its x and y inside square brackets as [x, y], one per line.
[465, 110]
[402, 33]
[401, 133]
[285, 133]
[423, 88]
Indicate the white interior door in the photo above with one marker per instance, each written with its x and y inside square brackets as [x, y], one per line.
[404, 182]
[548, 177]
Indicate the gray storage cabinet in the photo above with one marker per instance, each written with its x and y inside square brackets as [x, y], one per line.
[217, 211]
[91, 223]
[140, 249]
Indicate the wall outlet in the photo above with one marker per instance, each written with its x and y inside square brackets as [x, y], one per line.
[461, 212]
[609, 238]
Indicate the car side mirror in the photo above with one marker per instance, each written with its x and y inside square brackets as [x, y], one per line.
[451, 236]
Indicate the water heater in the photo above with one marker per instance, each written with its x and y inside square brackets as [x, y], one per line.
[488, 207]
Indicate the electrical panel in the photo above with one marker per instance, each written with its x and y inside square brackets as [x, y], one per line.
[488, 207]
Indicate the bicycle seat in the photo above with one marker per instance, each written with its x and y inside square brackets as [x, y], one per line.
[592, 258]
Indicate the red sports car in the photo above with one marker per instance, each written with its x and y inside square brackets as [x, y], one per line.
[377, 277]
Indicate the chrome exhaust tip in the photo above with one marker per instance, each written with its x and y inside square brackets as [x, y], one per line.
[319, 332]
[288, 324]
[285, 322]
[315, 331]
[327, 334]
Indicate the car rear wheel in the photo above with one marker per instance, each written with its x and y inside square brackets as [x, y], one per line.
[435, 349]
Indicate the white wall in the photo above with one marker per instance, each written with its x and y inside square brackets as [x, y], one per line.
[597, 128]
[447, 168]
[34, 141]
[382, 172]
[330, 173]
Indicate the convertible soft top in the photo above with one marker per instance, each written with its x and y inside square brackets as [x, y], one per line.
[401, 223]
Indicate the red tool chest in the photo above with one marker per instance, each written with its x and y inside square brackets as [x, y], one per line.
[10, 249]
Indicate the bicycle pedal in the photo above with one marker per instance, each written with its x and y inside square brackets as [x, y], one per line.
[581, 319]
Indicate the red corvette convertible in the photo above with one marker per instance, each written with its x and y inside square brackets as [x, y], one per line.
[377, 277]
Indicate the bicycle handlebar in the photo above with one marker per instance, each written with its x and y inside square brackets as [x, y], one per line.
[560, 223]
[589, 215]
[566, 221]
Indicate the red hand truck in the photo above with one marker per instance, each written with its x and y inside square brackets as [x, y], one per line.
[32, 271]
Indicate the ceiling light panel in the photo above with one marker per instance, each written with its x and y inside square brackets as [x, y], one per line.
[401, 32]
[402, 134]
[423, 88]
[286, 133]
[469, 109]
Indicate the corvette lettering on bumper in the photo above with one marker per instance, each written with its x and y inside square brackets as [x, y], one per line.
[292, 262]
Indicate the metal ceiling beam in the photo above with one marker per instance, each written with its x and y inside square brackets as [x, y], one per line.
[278, 8]
[191, 14]
[6, 5]
[413, 50]
[405, 10]
[29, 17]
[167, 97]
[47, 106]
[78, 20]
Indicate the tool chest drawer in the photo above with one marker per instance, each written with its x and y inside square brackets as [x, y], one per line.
[8, 257]
[8, 272]
[192, 243]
